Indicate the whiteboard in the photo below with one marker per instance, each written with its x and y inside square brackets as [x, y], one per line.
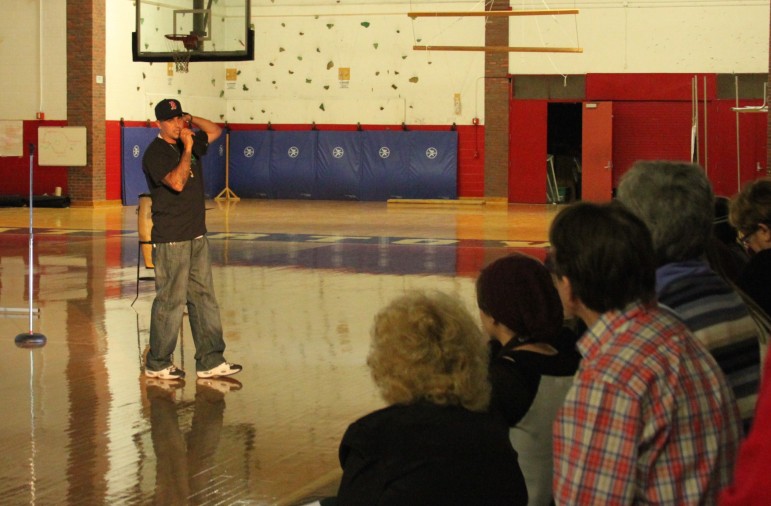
[11, 138]
[62, 146]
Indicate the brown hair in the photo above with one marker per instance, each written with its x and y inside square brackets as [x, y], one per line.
[606, 252]
[751, 206]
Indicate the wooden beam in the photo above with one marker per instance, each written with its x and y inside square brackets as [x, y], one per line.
[501, 49]
[543, 12]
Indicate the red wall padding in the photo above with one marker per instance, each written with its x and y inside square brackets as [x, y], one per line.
[113, 161]
[721, 161]
[14, 171]
[527, 151]
[651, 120]
[649, 131]
[471, 161]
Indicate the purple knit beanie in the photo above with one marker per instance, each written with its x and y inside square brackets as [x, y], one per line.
[518, 291]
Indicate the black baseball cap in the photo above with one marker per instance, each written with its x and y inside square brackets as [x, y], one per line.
[168, 108]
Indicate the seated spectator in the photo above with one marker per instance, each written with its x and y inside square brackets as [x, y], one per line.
[676, 202]
[725, 253]
[650, 418]
[533, 360]
[435, 443]
[750, 213]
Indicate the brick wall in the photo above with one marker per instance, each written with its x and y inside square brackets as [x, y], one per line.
[496, 180]
[86, 97]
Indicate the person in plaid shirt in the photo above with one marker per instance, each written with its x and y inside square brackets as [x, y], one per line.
[650, 418]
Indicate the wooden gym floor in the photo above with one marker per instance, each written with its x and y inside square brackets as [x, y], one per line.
[298, 283]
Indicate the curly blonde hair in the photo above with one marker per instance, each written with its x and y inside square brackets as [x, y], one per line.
[426, 346]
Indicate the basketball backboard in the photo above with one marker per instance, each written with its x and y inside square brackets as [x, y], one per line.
[222, 28]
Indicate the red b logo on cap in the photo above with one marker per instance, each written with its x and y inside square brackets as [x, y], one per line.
[172, 105]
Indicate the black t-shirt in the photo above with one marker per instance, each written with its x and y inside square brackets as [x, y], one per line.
[177, 216]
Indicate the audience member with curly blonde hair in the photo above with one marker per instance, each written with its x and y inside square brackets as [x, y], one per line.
[435, 442]
[427, 348]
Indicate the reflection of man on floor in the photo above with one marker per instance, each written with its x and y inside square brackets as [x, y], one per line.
[184, 466]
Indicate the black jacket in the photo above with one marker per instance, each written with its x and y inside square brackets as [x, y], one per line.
[424, 454]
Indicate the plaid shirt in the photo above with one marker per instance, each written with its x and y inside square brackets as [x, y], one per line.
[650, 418]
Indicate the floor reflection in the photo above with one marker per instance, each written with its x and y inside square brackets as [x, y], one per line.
[297, 286]
[189, 467]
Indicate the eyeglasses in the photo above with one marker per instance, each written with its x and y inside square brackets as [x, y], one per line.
[745, 239]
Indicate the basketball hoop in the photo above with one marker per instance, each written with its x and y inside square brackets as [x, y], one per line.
[181, 50]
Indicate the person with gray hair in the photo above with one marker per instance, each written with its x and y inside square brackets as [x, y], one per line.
[676, 202]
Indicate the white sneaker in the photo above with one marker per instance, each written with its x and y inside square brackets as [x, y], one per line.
[169, 373]
[224, 369]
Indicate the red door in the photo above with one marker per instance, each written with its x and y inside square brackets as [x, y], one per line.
[597, 152]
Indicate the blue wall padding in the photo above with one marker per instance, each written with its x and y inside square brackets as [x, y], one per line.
[214, 168]
[329, 165]
[385, 162]
[135, 142]
[338, 166]
[250, 164]
[293, 164]
[433, 165]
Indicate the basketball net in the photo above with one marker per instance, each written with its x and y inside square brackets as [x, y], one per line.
[181, 59]
[180, 48]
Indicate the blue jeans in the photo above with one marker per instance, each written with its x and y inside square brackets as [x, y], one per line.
[183, 277]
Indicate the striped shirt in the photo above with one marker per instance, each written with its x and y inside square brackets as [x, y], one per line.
[720, 320]
[650, 418]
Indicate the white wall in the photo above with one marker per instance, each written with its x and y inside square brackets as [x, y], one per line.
[33, 67]
[645, 36]
[294, 78]
[296, 41]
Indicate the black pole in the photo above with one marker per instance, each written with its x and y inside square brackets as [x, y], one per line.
[30, 339]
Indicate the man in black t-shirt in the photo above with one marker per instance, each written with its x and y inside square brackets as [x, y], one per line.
[172, 167]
